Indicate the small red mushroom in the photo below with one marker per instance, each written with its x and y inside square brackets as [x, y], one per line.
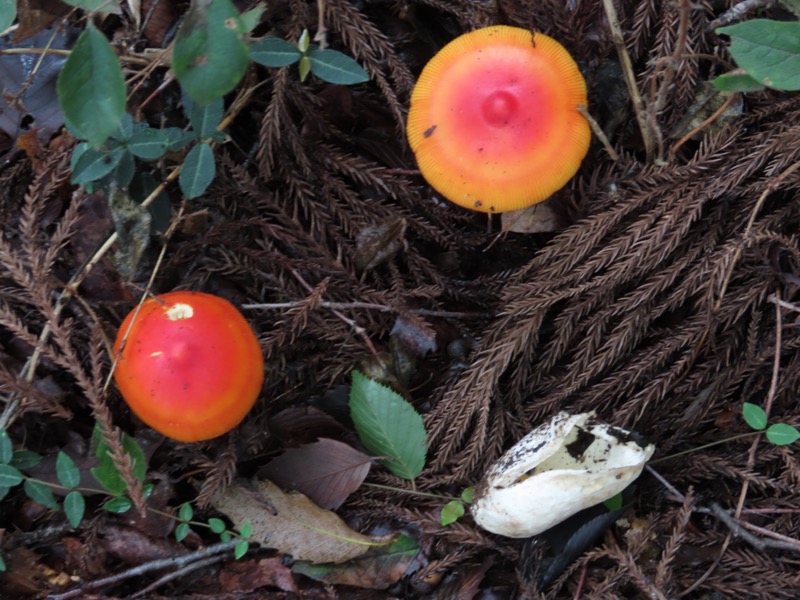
[494, 120]
[191, 367]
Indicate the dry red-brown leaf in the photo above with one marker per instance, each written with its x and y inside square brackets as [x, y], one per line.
[134, 547]
[326, 471]
[300, 425]
[86, 560]
[246, 576]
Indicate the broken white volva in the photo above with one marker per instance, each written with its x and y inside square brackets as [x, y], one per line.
[558, 469]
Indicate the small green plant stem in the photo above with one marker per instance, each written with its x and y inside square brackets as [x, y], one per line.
[705, 446]
[410, 492]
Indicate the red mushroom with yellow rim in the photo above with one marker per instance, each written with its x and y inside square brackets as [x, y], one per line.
[494, 120]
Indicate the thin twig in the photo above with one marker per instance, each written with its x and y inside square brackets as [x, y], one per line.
[599, 133]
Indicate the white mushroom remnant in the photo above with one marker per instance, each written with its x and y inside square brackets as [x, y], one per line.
[571, 463]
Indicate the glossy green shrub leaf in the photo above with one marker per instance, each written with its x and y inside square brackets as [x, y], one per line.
[41, 493]
[6, 448]
[782, 434]
[768, 50]
[335, 67]
[274, 52]
[91, 88]
[736, 82]
[9, 476]
[754, 416]
[452, 512]
[118, 505]
[198, 171]
[388, 426]
[8, 12]
[67, 472]
[210, 56]
[91, 164]
[74, 508]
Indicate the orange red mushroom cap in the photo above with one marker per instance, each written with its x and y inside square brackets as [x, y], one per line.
[494, 120]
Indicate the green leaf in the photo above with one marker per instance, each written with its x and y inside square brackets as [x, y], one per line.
[304, 42]
[103, 6]
[274, 52]
[74, 508]
[94, 164]
[204, 119]
[754, 416]
[247, 530]
[225, 536]
[6, 448]
[148, 143]
[240, 549]
[106, 473]
[178, 139]
[251, 18]
[304, 67]
[67, 472]
[452, 512]
[118, 505]
[614, 503]
[25, 459]
[210, 57]
[41, 493]
[768, 50]
[181, 531]
[217, 525]
[91, 88]
[335, 67]
[782, 434]
[468, 495]
[388, 426]
[9, 476]
[198, 171]
[2, 565]
[736, 82]
[185, 512]
[8, 12]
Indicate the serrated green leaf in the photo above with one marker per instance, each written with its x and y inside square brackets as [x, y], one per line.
[782, 434]
[25, 459]
[736, 82]
[204, 119]
[181, 531]
[452, 512]
[274, 52]
[335, 67]
[91, 87]
[74, 508]
[210, 56]
[768, 50]
[754, 416]
[8, 12]
[198, 171]
[388, 426]
[6, 448]
[118, 505]
[185, 512]
[9, 476]
[67, 472]
[149, 143]
[240, 549]
[94, 164]
[468, 495]
[216, 525]
[41, 493]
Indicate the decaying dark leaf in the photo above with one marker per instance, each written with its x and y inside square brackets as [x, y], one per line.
[326, 471]
[132, 223]
[293, 524]
[378, 243]
[245, 576]
[543, 217]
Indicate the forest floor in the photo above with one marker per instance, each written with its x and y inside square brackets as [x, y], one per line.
[661, 291]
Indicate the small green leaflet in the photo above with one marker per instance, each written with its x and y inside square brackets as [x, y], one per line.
[768, 50]
[388, 426]
[782, 434]
[335, 67]
[274, 52]
[754, 416]
[198, 171]
[8, 12]
[452, 512]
